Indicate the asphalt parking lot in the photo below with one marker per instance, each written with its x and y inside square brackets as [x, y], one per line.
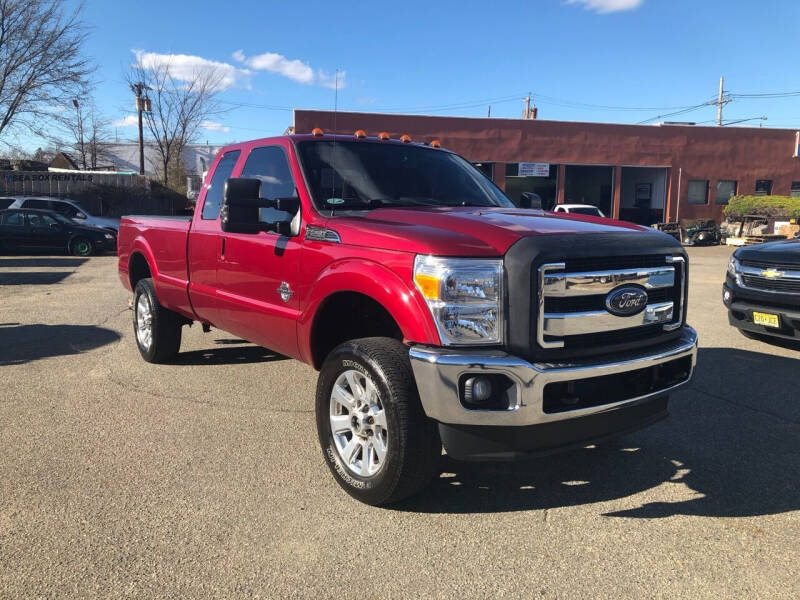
[204, 478]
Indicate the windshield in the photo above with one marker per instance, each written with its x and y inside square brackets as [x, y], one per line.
[586, 210]
[362, 175]
[60, 218]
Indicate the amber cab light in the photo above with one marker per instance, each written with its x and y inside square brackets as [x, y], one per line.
[383, 136]
[361, 134]
[405, 139]
[436, 144]
[316, 131]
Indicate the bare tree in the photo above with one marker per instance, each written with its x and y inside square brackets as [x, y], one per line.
[177, 106]
[87, 131]
[42, 67]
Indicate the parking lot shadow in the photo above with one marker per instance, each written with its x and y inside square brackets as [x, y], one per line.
[33, 277]
[228, 355]
[43, 261]
[24, 343]
[731, 441]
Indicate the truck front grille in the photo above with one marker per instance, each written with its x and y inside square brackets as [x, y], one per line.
[791, 286]
[572, 313]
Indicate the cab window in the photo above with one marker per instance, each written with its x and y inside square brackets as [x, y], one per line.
[213, 201]
[42, 204]
[270, 165]
[15, 219]
[39, 220]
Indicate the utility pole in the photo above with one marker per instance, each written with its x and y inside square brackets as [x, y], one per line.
[81, 146]
[721, 101]
[142, 105]
[489, 112]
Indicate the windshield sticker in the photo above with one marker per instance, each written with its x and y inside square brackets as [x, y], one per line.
[335, 200]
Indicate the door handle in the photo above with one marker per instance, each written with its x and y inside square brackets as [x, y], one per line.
[223, 247]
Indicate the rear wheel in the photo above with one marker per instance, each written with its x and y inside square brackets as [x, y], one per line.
[374, 434]
[157, 329]
[81, 247]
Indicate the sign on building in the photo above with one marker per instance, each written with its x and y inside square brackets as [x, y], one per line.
[532, 169]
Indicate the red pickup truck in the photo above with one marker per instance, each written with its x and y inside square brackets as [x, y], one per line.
[435, 310]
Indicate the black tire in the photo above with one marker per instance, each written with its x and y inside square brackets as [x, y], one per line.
[165, 325]
[413, 446]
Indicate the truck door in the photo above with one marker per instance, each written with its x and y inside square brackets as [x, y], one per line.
[257, 273]
[205, 241]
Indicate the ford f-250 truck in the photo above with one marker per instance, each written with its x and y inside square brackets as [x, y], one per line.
[435, 310]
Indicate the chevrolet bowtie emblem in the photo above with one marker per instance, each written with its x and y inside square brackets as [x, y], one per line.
[771, 273]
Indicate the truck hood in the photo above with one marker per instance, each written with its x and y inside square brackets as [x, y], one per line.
[463, 231]
[785, 251]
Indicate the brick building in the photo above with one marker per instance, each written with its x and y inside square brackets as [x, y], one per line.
[640, 173]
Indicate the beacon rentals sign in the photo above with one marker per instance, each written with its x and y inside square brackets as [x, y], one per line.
[44, 183]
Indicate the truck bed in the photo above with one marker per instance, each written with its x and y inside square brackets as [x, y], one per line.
[162, 240]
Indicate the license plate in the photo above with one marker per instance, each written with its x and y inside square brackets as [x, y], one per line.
[766, 319]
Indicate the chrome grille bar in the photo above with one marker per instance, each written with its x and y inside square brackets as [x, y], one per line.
[579, 323]
[601, 282]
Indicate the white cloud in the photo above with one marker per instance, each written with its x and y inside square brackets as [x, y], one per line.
[214, 126]
[186, 67]
[294, 69]
[607, 6]
[128, 121]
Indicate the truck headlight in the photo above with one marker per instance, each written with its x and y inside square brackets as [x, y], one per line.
[733, 266]
[465, 297]
[108, 236]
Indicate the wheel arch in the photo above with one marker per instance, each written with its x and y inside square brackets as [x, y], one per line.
[367, 297]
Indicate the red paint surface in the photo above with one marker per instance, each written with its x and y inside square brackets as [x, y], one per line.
[237, 290]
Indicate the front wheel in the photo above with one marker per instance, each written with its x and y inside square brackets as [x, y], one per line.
[157, 329]
[81, 247]
[374, 434]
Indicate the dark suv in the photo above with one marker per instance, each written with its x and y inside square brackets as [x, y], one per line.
[22, 229]
[762, 289]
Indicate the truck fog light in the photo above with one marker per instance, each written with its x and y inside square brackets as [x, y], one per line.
[477, 390]
[726, 297]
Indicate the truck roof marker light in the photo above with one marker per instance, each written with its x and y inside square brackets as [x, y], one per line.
[405, 138]
[383, 136]
[317, 131]
[360, 134]
[436, 144]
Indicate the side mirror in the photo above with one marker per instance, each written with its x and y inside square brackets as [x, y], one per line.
[530, 200]
[55, 226]
[242, 204]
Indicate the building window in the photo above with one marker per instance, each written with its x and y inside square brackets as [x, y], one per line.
[764, 187]
[726, 189]
[795, 193]
[486, 168]
[698, 191]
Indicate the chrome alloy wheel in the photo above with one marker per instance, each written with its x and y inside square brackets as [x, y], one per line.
[144, 321]
[358, 423]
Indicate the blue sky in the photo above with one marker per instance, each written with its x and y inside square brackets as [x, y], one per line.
[455, 58]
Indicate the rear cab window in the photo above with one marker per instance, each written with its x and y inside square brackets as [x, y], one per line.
[213, 201]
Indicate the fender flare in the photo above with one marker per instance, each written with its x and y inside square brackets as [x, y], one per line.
[140, 246]
[404, 303]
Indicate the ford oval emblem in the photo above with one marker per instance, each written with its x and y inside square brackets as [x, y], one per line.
[626, 301]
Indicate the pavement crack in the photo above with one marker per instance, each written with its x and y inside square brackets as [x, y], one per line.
[747, 406]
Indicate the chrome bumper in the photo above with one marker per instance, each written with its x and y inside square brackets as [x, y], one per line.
[438, 370]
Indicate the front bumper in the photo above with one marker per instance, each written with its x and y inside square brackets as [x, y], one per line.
[742, 303]
[616, 405]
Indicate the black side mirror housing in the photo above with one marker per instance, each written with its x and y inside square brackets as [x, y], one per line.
[242, 204]
[530, 200]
